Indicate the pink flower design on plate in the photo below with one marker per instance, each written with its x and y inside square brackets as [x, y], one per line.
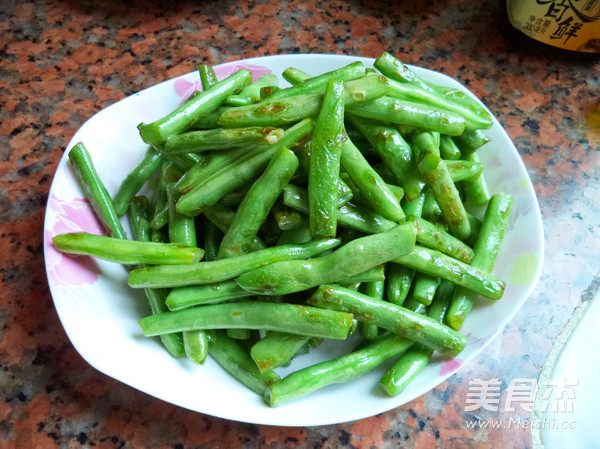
[184, 88]
[451, 366]
[71, 216]
[229, 69]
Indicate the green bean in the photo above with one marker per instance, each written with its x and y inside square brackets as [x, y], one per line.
[436, 175]
[353, 258]
[138, 216]
[363, 219]
[234, 198]
[475, 228]
[208, 77]
[341, 369]
[405, 370]
[210, 120]
[196, 346]
[398, 192]
[345, 193]
[413, 305]
[404, 112]
[431, 236]
[477, 188]
[267, 91]
[297, 235]
[295, 76]
[394, 69]
[414, 208]
[276, 349]
[437, 264]
[222, 217]
[349, 215]
[474, 119]
[443, 297]
[222, 139]
[367, 150]
[470, 141]
[495, 223]
[161, 211]
[327, 141]
[414, 361]
[286, 218]
[448, 149]
[169, 173]
[243, 170]
[288, 110]
[431, 209]
[369, 183]
[239, 334]
[282, 317]
[463, 170]
[159, 235]
[191, 96]
[424, 287]
[177, 121]
[318, 84]
[368, 331]
[393, 150]
[237, 362]
[210, 164]
[252, 93]
[464, 99]
[212, 240]
[135, 180]
[182, 230]
[224, 269]
[126, 252]
[374, 290]
[195, 295]
[257, 203]
[353, 286]
[94, 190]
[398, 282]
[183, 161]
[391, 317]
[138, 213]
[302, 152]
[373, 274]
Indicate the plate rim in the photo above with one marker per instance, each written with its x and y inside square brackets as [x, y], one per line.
[306, 422]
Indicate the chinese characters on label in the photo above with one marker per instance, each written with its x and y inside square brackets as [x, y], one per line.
[568, 24]
[567, 20]
[521, 394]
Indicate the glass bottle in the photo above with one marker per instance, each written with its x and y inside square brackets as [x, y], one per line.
[567, 24]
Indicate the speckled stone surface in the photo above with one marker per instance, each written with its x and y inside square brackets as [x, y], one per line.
[63, 61]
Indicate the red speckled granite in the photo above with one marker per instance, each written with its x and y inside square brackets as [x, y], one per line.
[62, 61]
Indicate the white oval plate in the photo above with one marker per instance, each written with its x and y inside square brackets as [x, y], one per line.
[100, 313]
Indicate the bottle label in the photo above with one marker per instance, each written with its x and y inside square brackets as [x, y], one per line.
[568, 24]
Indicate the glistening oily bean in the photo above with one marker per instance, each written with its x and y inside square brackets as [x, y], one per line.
[331, 207]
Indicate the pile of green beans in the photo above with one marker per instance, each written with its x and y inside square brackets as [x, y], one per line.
[343, 205]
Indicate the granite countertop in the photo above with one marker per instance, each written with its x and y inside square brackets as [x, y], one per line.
[63, 61]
